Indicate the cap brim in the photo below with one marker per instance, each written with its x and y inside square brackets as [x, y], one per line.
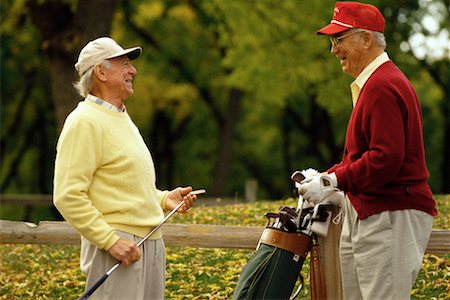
[134, 52]
[331, 29]
[131, 53]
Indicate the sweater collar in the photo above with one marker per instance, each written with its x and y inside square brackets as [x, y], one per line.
[357, 85]
[104, 103]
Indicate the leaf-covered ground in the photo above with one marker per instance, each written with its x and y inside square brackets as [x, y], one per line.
[52, 272]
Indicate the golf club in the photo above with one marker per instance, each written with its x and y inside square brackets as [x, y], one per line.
[102, 279]
[297, 177]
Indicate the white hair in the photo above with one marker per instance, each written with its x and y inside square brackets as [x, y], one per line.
[378, 37]
[84, 84]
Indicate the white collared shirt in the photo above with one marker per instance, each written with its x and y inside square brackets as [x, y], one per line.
[101, 102]
[362, 78]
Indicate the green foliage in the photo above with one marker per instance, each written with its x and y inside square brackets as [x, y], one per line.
[27, 128]
[294, 105]
[52, 272]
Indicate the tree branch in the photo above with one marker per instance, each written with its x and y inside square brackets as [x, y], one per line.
[171, 60]
[13, 128]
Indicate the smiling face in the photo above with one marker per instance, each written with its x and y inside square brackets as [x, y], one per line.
[120, 77]
[350, 48]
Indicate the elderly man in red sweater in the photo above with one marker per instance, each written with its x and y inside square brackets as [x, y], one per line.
[389, 206]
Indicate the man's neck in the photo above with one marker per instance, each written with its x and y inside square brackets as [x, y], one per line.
[374, 54]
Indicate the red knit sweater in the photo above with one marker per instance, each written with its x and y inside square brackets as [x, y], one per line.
[383, 165]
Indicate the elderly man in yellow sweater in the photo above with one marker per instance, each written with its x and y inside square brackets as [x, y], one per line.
[104, 183]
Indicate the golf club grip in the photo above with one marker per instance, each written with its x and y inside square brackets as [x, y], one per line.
[93, 288]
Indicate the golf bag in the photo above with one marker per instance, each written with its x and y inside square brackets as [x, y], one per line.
[274, 268]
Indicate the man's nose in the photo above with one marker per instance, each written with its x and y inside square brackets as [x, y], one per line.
[133, 70]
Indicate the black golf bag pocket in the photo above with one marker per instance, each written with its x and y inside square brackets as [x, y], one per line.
[273, 269]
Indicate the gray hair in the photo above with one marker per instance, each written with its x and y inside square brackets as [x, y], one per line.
[84, 84]
[378, 37]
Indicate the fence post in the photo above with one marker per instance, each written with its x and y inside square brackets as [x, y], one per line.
[251, 190]
[329, 250]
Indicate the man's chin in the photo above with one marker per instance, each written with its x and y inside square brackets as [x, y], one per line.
[129, 92]
[346, 70]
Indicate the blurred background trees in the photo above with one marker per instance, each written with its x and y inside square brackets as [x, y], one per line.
[226, 90]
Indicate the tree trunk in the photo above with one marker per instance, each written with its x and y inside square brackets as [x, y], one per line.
[162, 139]
[227, 128]
[64, 32]
[445, 188]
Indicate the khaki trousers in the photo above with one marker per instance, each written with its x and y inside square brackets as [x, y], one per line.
[382, 254]
[144, 279]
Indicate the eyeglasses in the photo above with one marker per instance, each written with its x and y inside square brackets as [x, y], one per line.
[336, 40]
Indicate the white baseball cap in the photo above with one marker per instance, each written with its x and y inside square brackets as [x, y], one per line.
[100, 49]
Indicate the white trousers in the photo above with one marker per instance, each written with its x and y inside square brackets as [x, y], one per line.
[144, 279]
[382, 254]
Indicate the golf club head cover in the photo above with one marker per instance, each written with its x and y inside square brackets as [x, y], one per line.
[336, 198]
[321, 228]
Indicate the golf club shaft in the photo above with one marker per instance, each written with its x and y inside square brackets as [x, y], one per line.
[102, 279]
[297, 177]
[99, 282]
[161, 223]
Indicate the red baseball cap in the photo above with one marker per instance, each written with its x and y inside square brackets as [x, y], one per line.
[349, 15]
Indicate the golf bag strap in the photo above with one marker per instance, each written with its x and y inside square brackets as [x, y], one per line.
[294, 242]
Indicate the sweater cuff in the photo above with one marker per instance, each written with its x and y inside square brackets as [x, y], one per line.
[163, 195]
[111, 242]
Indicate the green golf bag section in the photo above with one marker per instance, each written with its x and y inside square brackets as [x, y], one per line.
[272, 271]
[274, 268]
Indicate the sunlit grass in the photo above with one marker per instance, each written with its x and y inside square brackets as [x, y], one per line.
[52, 271]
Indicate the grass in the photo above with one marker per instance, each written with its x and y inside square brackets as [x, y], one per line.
[52, 271]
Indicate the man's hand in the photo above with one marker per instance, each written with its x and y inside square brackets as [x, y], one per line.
[315, 188]
[180, 194]
[126, 251]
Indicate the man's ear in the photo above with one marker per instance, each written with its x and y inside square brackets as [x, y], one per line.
[99, 72]
[368, 40]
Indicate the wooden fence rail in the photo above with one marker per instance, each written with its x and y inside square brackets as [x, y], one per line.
[35, 200]
[191, 235]
[27, 199]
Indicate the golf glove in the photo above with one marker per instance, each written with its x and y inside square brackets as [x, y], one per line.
[316, 188]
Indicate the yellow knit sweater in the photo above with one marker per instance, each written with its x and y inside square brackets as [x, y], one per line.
[105, 177]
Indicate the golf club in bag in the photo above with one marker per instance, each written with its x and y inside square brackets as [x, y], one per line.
[274, 268]
[102, 279]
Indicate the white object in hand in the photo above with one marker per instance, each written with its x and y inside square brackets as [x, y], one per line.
[316, 188]
[198, 192]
